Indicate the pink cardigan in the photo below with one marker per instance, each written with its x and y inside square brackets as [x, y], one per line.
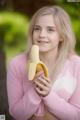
[63, 100]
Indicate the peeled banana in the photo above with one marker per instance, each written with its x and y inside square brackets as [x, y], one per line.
[36, 65]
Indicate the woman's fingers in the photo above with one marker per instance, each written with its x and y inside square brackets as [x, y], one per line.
[41, 92]
[42, 85]
[39, 74]
[45, 82]
[47, 79]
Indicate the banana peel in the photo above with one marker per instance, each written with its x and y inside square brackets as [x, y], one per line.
[36, 65]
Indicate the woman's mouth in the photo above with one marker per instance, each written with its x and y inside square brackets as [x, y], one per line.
[42, 41]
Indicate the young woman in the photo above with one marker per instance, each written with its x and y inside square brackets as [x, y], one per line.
[56, 97]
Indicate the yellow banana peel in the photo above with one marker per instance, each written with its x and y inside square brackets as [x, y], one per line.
[36, 65]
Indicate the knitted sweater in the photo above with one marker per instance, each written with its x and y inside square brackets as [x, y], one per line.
[63, 101]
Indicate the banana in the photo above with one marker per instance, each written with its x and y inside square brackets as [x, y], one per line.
[36, 65]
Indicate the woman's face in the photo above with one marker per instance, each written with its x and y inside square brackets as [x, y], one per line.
[45, 34]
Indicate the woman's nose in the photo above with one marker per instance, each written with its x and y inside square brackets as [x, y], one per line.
[42, 33]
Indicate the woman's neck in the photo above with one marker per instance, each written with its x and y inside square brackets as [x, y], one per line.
[49, 58]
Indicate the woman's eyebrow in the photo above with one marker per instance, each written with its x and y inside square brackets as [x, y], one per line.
[36, 25]
[51, 26]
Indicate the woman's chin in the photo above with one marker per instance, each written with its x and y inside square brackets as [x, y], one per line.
[43, 50]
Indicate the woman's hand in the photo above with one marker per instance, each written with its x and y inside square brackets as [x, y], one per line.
[42, 84]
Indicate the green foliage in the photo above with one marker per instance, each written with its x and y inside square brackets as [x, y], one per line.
[73, 10]
[13, 27]
[76, 26]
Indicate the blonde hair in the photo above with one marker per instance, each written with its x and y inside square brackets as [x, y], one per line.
[63, 25]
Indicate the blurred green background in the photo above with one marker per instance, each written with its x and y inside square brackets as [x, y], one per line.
[13, 33]
[15, 16]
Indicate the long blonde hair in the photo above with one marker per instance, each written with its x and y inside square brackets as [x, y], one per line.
[63, 25]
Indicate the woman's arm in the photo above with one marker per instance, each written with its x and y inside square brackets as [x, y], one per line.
[21, 105]
[61, 108]
[64, 109]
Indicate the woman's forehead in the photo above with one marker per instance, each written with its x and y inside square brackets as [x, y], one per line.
[45, 19]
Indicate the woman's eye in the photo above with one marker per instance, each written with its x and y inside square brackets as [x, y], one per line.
[50, 30]
[36, 29]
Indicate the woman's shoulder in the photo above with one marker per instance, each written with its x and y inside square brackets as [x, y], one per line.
[75, 59]
[72, 63]
[75, 63]
[18, 64]
[19, 60]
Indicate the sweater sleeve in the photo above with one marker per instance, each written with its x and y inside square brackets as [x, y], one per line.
[21, 105]
[62, 109]
[65, 109]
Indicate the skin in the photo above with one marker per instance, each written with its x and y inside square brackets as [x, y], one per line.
[42, 84]
[46, 36]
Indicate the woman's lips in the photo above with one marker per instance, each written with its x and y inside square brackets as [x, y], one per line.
[42, 42]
